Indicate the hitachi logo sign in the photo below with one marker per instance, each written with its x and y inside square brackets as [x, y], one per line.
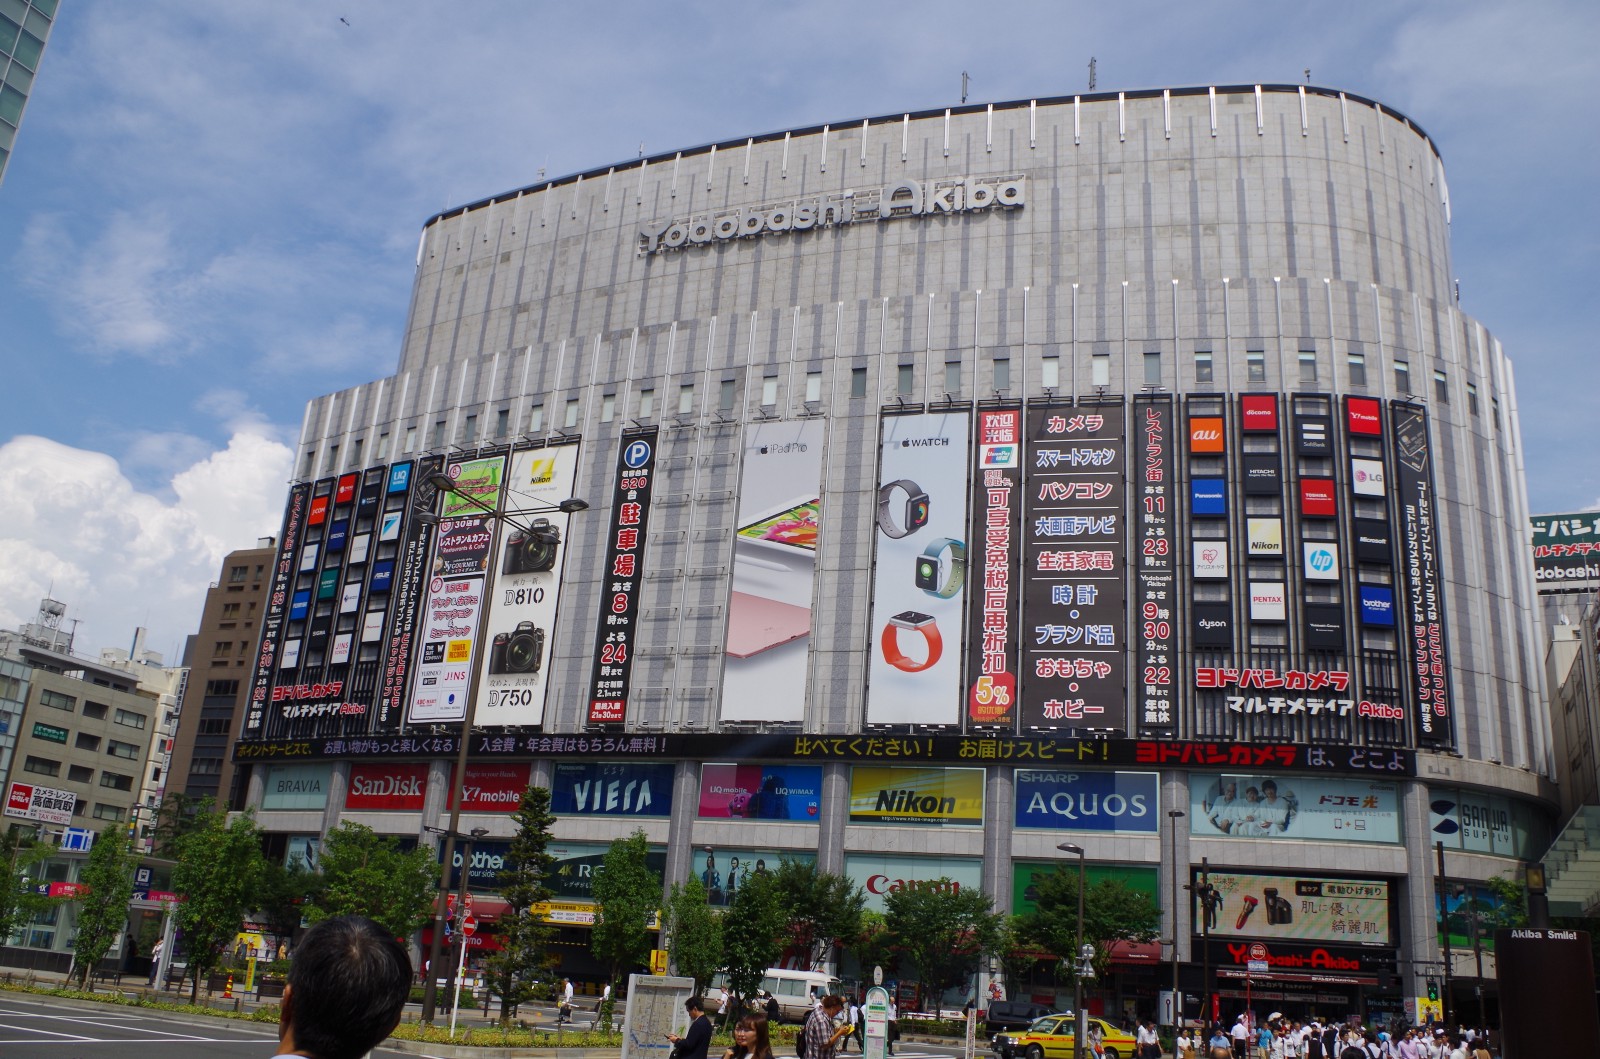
[905, 198]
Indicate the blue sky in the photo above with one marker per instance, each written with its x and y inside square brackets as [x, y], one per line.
[213, 209]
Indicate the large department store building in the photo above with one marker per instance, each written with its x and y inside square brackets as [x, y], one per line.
[1116, 469]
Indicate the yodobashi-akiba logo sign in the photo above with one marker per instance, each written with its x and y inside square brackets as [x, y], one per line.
[905, 198]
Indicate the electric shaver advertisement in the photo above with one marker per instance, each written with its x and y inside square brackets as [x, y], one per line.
[1296, 907]
[521, 614]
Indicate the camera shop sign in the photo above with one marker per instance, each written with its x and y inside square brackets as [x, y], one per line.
[300, 701]
[904, 198]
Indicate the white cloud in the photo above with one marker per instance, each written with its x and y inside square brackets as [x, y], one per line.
[79, 531]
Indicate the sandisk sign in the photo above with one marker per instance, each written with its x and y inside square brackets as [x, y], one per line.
[1205, 434]
[387, 787]
[1364, 416]
[1258, 411]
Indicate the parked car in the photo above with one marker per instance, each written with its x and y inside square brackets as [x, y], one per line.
[1053, 1036]
[1012, 1015]
[796, 990]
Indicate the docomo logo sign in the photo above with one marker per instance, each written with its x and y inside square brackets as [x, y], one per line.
[905, 198]
[882, 884]
[1258, 411]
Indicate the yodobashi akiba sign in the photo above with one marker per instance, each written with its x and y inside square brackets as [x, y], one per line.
[1087, 801]
[904, 198]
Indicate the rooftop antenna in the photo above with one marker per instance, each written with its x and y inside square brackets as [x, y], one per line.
[1308, 75]
[1091, 73]
[641, 148]
[964, 80]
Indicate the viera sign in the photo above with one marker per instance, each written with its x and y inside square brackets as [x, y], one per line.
[904, 198]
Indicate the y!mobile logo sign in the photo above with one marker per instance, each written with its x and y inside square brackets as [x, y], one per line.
[1364, 416]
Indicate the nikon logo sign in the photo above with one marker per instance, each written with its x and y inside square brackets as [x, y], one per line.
[905, 198]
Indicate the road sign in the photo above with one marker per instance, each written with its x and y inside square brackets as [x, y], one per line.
[469, 925]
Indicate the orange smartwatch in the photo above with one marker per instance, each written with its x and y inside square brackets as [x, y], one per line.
[912, 621]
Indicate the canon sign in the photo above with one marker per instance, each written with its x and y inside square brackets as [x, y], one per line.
[883, 884]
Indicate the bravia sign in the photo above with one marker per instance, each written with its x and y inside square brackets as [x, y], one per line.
[904, 198]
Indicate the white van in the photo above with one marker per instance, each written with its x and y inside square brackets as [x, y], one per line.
[797, 990]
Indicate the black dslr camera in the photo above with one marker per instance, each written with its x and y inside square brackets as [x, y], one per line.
[1280, 913]
[532, 550]
[518, 651]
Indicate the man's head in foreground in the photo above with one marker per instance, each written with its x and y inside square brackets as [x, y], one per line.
[347, 988]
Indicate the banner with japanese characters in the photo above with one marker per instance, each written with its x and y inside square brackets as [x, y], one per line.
[277, 606]
[1074, 562]
[1566, 551]
[1427, 646]
[520, 620]
[1155, 543]
[1254, 805]
[623, 578]
[461, 552]
[996, 546]
[1298, 907]
[405, 578]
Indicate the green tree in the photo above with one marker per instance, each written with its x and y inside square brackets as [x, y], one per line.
[945, 929]
[626, 894]
[873, 947]
[368, 874]
[523, 961]
[103, 909]
[694, 933]
[1112, 911]
[823, 908]
[752, 934]
[179, 814]
[283, 893]
[218, 866]
[22, 853]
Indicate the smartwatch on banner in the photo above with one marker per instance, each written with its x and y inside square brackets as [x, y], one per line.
[915, 621]
[916, 509]
[937, 578]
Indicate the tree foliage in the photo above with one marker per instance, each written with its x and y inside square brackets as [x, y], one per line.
[218, 866]
[368, 874]
[22, 853]
[282, 894]
[1112, 911]
[103, 910]
[523, 962]
[694, 933]
[753, 933]
[626, 894]
[179, 814]
[873, 946]
[822, 908]
[945, 929]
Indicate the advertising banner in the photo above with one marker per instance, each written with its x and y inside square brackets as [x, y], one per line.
[723, 872]
[627, 789]
[1324, 626]
[1301, 908]
[1423, 579]
[406, 586]
[1364, 416]
[775, 542]
[578, 864]
[1317, 498]
[1367, 478]
[881, 874]
[1566, 551]
[277, 606]
[1025, 895]
[1264, 537]
[922, 523]
[493, 788]
[296, 786]
[1377, 605]
[1313, 435]
[1268, 602]
[1127, 802]
[390, 786]
[997, 508]
[1258, 412]
[1330, 810]
[1213, 624]
[905, 795]
[624, 578]
[1206, 436]
[1156, 543]
[761, 792]
[1292, 962]
[1208, 497]
[1210, 560]
[1075, 562]
[521, 617]
[1374, 541]
[1263, 474]
[346, 489]
[1321, 560]
[46, 805]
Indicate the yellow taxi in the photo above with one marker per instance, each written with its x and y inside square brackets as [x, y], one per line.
[1051, 1037]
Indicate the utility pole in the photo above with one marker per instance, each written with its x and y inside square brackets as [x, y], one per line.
[1444, 923]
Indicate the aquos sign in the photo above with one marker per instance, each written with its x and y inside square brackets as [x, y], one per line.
[1088, 801]
[904, 198]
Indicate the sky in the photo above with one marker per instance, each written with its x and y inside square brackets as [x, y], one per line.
[212, 212]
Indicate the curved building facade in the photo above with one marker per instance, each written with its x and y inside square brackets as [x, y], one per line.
[1118, 468]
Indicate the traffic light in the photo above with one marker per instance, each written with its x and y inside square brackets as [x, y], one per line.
[1433, 991]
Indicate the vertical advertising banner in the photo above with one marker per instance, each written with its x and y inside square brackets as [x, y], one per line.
[622, 578]
[997, 510]
[461, 552]
[1074, 560]
[521, 616]
[1422, 577]
[918, 599]
[272, 617]
[774, 570]
[406, 580]
[1154, 545]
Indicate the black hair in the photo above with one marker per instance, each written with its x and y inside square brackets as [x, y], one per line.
[695, 1003]
[349, 983]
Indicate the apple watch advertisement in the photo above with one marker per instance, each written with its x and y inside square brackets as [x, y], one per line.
[920, 577]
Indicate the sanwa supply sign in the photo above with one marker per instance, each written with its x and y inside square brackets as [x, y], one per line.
[1088, 801]
[899, 795]
[1337, 810]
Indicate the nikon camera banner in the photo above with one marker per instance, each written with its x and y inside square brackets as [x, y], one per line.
[521, 616]
[899, 795]
[461, 553]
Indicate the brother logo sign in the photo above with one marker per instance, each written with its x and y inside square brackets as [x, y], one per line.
[905, 198]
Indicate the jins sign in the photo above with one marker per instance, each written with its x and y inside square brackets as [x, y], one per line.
[905, 198]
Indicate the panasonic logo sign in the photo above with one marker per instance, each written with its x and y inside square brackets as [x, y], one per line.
[904, 198]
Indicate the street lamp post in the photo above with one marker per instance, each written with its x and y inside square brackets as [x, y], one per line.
[1078, 1021]
[445, 484]
[1177, 998]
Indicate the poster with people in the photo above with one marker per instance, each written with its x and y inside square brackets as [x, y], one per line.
[724, 872]
[1346, 810]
